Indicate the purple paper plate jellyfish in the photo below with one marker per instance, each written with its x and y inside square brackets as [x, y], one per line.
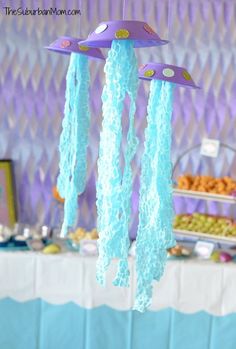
[154, 234]
[114, 188]
[75, 126]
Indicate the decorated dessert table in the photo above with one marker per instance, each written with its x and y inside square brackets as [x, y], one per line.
[55, 302]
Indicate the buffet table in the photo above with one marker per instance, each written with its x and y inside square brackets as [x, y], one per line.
[55, 302]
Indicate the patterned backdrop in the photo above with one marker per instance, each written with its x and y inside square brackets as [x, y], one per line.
[203, 39]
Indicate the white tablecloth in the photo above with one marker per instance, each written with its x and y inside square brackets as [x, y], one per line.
[188, 286]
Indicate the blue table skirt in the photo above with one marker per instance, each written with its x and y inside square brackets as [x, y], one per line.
[39, 325]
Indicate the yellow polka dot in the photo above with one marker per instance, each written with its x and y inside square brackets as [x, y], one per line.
[186, 75]
[122, 34]
[149, 73]
[83, 48]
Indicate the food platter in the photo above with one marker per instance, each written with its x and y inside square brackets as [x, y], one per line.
[205, 196]
[206, 236]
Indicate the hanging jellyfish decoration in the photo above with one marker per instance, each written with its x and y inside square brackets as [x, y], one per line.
[75, 126]
[114, 186]
[154, 234]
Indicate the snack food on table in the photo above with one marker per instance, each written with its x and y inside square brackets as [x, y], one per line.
[223, 186]
[94, 234]
[215, 257]
[52, 249]
[77, 235]
[225, 257]
[203, 223]
[81, 234]
[178, 251]
[36, 245]
[221, 256]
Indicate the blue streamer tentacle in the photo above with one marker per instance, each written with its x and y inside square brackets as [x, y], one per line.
[113, 190]
[122, 278]
[67, 126]
[74, 138]
[154, 234]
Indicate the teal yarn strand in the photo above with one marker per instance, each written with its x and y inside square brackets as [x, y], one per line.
[154, 234]
[74, 138]
[114, 189]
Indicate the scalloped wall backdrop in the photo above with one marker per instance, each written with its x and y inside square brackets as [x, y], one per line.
[203, 39]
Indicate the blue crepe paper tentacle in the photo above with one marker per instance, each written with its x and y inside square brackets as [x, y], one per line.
[67, 125]
[155, 208]
[74, 138]
[122, 278]
[113, 191]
